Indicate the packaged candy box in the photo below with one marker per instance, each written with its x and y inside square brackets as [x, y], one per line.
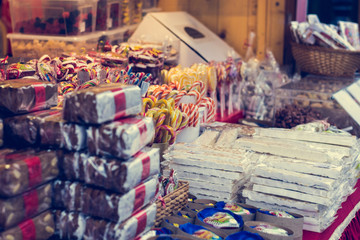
[53, 17]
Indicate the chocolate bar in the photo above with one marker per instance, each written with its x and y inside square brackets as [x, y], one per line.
[18, 70]
[23, 96]
[41, 227]
[23, 170]
[54, 132]
[17, 209]
[24, 129]
[122, 138]
[72, 225]
[111, 174]
[72, 165]
[102, 103]
[75, 196]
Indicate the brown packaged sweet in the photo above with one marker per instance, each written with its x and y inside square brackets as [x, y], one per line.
[72, 165]
[102, 103]
[75, 196]
[29, 204]
[25, 95]
[24, 129]
[26, 169]
[111, 174]
[72, 225]
[122, 138]
[41, 227]
[55, 132]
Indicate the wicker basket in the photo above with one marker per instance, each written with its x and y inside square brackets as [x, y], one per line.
[326, 61]
[174, 201]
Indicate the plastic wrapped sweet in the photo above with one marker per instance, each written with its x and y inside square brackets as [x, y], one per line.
[220, 219]
[77, 226]
[103, 103]
[75, 196]
[26, 169]
[122, 138]
[15, 210]
[236, 208]
[24, 129]
[111, 174]
[55, 132]
[18, 70]
[22, 96]
[199, 231]
[41, 227]
[267, 228]
[280, 214]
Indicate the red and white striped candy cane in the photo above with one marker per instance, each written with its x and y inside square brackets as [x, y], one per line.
[196, 94]
[179, 96]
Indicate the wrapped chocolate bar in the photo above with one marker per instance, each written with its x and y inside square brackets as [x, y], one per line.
[22, 96]
[122, 176]
[17, 209]
[19, 70]
[26, 169]
[103, 103]
[72, 165]
[24, 129]
[74, 196]
[110, 174]
[67, 195]
[78, 226]
[55, 132]
[41, 227]
[122, 138]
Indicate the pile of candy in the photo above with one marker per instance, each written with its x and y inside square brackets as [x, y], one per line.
[169, 120]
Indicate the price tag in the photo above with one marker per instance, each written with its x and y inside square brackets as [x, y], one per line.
[82, 27]
[144, 88]
[109, 23]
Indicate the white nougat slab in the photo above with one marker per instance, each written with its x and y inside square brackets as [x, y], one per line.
[296, 165]
[287, 150]
[294, 177]
[281, 201]
[322, 137]
[208, 171]
[290, 186]
[204, 162]
[292, 194]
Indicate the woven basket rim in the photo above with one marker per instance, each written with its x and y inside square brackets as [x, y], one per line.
[323, 49]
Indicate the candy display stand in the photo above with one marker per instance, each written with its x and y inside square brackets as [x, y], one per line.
[174, 201]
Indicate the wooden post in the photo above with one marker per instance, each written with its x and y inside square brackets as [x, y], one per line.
[261, 29]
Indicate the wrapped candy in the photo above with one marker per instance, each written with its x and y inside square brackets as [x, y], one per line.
[122, 138]
[26, 169]
[41, 227]
[74, 196]
[16, 209]
[111, 174]
[72, 225]
[22, 96]
[111, 102]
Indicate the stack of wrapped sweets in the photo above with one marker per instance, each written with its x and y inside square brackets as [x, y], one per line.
[309, 170]
[107, 190]
[214, 170]
[26, 174]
